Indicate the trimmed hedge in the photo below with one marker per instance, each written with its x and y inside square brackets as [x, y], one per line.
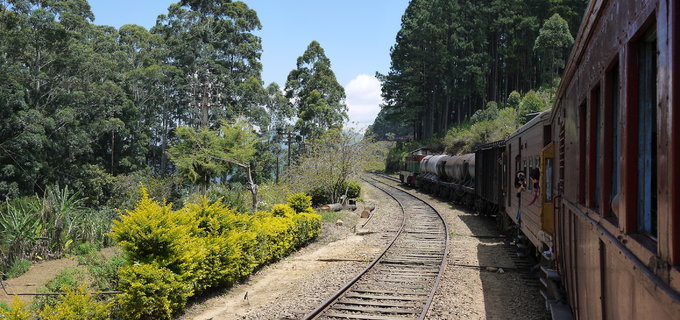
[178, 253]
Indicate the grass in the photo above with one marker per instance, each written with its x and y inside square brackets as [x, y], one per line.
[331, 216]
[18, 268]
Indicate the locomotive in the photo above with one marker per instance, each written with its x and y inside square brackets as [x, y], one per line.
[592, 185]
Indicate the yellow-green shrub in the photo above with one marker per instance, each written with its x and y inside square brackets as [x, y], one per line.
[307, 227]
[77, 305]
[203, 245]
[213, 218]
[300, 202]
[275, 237]
[154, 233]
[17, 311]
[151, 292]
[282, 210]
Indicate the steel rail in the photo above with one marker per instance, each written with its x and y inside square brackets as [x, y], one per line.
[430, 296]
[349, 284]
[442, 267]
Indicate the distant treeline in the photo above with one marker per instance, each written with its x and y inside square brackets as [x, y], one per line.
[452, 57]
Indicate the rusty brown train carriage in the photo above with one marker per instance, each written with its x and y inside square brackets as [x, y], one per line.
[617, 146]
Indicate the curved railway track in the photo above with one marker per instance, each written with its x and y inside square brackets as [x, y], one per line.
[401, 282]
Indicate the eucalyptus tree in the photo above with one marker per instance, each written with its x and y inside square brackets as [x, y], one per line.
[318, 97]
[211, 42]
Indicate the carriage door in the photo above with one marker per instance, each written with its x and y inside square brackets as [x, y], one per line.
[546, 184]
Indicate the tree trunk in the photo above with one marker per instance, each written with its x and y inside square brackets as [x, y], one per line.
[253, 189]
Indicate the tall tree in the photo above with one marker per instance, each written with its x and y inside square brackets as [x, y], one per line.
[318, 97]
[211, 41]
[553, 41]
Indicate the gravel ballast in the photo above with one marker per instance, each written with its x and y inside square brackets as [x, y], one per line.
[293, 287]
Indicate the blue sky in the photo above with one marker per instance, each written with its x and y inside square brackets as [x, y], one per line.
[356, 35]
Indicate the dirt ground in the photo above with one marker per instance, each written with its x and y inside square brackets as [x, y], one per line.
[38, 275]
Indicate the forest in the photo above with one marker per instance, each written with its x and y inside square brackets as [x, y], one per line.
[84, 104]
[454, 58]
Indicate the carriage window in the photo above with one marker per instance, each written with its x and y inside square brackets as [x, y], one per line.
[596, 144]
[615, 111]
[548, 179]
[526, 175]
[646, 112]
[582, 153]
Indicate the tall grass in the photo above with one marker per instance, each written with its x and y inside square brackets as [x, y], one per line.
[46, 227]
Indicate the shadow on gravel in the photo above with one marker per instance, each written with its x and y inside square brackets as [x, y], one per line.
[511, 291]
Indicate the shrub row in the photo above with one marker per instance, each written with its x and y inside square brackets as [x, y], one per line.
[178, 253]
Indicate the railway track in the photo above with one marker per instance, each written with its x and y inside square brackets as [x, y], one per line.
[402, 281]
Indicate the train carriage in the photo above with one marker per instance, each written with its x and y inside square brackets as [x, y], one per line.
[523, 201]
[617, 149]
[490, 159]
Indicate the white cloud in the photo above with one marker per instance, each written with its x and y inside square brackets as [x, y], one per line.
[363, 100]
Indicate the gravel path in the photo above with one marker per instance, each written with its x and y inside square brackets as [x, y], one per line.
[298, 284]
[473, 293]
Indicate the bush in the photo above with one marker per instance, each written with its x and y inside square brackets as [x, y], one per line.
[104, 271]
[65, 280]
[85, 248]
[151, 292]
[353, 189]
[282, 210]
[154, 233]
[17, 311]
[77, 305]
[18, 268]
[300, 202]
[203, 245]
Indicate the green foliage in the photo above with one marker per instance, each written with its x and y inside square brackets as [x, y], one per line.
[353, 189]
[18, 268]
[124, 191]
[328, 163]
[176, 254]
[151, 292]
[451, 57]
[64, 280]
[154, 233]
[77, 305]
[272, 193]
[104, 272]
[233, 195]
[489, 113]
[514, 100]
[553, 42]
[531, 103]
[282, 210]
[18, 310]
[319, 98]
[85, 248]
[34, 227]
[300, 202]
